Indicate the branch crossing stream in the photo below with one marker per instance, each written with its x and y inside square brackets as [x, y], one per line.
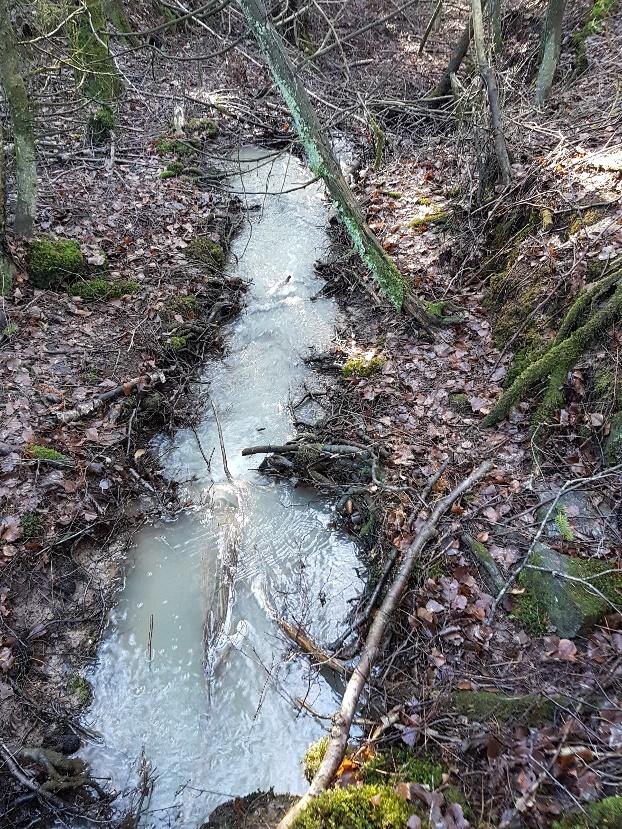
[211, 701]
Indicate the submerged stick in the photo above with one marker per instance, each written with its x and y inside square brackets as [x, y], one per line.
[307, 644]
[342, 720]
[222, 442]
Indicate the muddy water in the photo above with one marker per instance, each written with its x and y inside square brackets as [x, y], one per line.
[193, 668]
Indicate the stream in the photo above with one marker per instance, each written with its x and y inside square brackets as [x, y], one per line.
[193, 668]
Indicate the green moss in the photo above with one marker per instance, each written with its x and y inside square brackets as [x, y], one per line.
[9, 331]
[355, 807]
[513, 313]
[207, 127]
[46, 453]
[585, 219]
[437, 308]
[593, 24]
[32, 525]
[185, 306]
[426, 201]
[460, 402]
[314, 756]
[402, 764]
[561, 357]
[563, 525]
[178, 343]
[208, 252]
[92, 289]
[530, 613]
[174, 146]
[172, 170]
[363, 366]
[484, 706]
[100, 125]
[438, 216]
[52, 262]
[567, 604]
[82, 689]
[604, 814]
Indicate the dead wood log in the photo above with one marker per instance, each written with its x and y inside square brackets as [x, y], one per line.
[313, 650]
[89, 406]
[342, 720]
[289, 448]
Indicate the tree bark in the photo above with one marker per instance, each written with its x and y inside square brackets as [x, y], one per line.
[342, 720]
[321, 157]
[490, 81]
[443, 87]
[551, 47]
[496, 14]
[20, 114]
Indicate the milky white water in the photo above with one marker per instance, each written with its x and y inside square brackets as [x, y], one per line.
[239, 731]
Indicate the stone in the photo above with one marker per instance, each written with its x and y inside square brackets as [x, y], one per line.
[568, 605]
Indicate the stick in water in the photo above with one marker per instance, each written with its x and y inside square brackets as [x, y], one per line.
[222, 441]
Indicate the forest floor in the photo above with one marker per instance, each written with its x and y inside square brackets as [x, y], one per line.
[525, 721]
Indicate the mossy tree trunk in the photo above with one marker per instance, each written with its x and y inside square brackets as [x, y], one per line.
[95, 70]
[6, 265]
[322, 159]
[20, 113]
[551, 47]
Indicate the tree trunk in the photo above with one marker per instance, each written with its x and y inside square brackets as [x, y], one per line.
[551, 47]
[321, 157]
[443, 87]
[21, 121]
[495, 19]
[490, 81]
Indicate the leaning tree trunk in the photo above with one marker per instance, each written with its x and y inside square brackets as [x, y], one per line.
[490, 81]
[322, 159]
[20, 113]
[551, 47]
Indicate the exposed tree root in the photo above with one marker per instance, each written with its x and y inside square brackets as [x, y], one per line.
[560, 358]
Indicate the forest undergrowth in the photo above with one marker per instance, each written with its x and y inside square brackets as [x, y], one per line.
[495, 700]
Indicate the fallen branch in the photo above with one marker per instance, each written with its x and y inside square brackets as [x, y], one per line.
[307, 644]
[289, 448]
[89, 406]
[342, 720]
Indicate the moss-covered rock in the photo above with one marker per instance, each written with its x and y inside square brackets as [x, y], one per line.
[185, 306]
[175, 146]
[604, 814]
[485, 706]
[355, 807]
[209, 253]
[363, 366]
[100, 125]
[92, 289]
[81, 688]
[570, 605]
[172, 170]
[54, 262]
[203, 127]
